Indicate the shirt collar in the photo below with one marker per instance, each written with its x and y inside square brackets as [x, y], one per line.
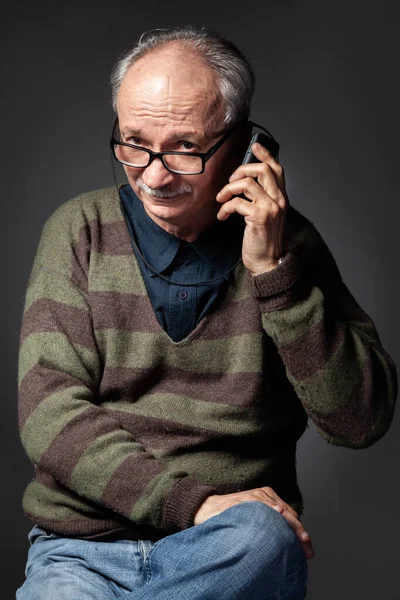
[219, 246]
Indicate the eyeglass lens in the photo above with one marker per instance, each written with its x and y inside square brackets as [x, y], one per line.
[184, 163]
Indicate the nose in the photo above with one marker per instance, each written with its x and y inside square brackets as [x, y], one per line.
[156, 175]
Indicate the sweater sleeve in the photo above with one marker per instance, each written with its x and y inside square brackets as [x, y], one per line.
[63, 429]
[333, 357]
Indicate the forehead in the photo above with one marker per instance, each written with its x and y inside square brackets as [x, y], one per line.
[170, 90]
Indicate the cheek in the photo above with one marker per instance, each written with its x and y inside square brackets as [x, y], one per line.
[130, 173]
[204, 187]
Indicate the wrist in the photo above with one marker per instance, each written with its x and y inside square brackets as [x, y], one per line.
[268, 266]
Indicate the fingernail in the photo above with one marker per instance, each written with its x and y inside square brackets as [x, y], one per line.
[305, 535]
[233, 175]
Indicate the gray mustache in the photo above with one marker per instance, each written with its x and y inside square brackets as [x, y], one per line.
[165, 192]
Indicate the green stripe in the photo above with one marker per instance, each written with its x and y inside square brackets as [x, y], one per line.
[287, 325]
[54, 286]
[217, 467]
[49, 418]
[55, 352]
[220, 418]
[153, 495]
[47, 503]
[238, 354]
[115, 274]
[104, 455]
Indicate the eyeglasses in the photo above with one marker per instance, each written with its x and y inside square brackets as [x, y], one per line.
[182, 163]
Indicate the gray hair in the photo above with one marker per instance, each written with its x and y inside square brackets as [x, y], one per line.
[234, 71]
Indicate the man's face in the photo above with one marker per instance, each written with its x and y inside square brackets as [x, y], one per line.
[170, 101]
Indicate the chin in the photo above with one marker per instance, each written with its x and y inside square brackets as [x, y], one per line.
[165, 208]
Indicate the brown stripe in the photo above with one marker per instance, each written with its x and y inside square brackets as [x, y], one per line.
[285, 299]
[135, 313]
[84, 527]
[70, 444]
[233, 318]
[126, 312]
[105, 238]
[235, 389]
[323, 339]
[46, 315]
[128, 481]
[40, 383]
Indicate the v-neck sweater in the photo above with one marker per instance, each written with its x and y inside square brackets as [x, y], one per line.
[130, 431]
[206, 262]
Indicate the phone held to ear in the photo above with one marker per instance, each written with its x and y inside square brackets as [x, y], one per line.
[266, 140]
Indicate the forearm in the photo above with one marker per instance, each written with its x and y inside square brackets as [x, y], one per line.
[331, 350]
[343, 376]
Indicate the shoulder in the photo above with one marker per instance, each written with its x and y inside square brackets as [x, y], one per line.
[94, 208]
[79, 227]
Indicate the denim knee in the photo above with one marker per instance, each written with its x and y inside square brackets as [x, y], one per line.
[266, 537]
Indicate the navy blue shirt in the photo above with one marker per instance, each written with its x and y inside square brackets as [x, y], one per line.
[179, 308]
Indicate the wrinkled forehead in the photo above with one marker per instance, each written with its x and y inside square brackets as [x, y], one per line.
[169, 90]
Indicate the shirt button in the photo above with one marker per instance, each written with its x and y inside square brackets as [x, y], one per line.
[183, 295]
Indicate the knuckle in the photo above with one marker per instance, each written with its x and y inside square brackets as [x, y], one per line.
[274, 209]
[249, 182]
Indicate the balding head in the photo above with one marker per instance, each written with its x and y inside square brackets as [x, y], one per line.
[234, 78]
[172, 84]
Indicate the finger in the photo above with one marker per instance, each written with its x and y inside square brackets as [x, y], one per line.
[265, 156]
[247, 186]
[270, 493]
[238, 205]
[265, 176]
[253, 191]
[288, 508]
[255, 170]
[308, 549]
[301, 533]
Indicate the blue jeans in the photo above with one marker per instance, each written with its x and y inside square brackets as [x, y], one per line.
[247, 552]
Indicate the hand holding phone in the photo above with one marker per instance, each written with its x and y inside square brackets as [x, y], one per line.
[267, 141]
[257, 192]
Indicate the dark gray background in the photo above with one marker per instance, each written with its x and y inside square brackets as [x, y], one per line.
[327, 87]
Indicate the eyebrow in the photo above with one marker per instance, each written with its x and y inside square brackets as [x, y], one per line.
[173, 138]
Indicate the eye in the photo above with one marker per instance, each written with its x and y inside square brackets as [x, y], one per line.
[187, 145]
[135, 141]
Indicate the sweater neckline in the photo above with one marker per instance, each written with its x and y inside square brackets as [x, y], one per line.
[196, 333]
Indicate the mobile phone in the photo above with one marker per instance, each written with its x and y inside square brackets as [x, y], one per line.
[267, 141]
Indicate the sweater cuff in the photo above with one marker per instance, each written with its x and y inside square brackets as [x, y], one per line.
[183, 502]
[278, 280]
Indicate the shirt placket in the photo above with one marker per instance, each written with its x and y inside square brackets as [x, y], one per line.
[183, 298]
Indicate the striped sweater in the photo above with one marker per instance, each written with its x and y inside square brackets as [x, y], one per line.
[129, 431]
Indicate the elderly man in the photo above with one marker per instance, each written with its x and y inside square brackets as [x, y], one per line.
[177, 334]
